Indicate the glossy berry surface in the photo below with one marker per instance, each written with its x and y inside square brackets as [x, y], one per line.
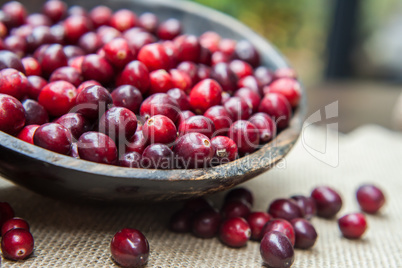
[194, 150]
[137, 142]
[95, 67]
[53, 137]
[225, 149]
[12, 116]
[188, 48]
[154, 57]
[97, 147]
[328, 201]
[160, 103]
[238, 108]
[306, 205]
[246, 136]
[93, 101]
[222, 73]
[14, 223]
[221, 118]
[6, 212]
[118, 123]
[251, 97]
[205, 94]
[58, 97]
[161, 81]
[76, 123]
[370, 198]
[282, 226]
[257, 221]
[123, 19]
[160, 129]
[68, 74]
[17, 244]
[135, 74]
[13, 83]
[276, 250]
[235, 232]
[127, 96]
[198, 124]
[35, 85]
[169, 29]
[129, 248]
[157, 156]
[240, 193]
[26, 134]
[284, 209]
[352, 225]
[197, 204]
[235, 208]
[9, 59]
[35, 114]
[131, 159]
[265, 125]
[205, 223]
[305, 233]
[290, 88]
[278, 107]
[181, 98]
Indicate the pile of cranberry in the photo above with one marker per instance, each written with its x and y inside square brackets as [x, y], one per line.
[116, 88]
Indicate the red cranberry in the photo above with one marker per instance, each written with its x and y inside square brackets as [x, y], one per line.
[94, 67]
[31, 66]
[16, 44]
[76, 123]
[188, 48]
[227, 46]
[100, 15]
[137, 143]
[266, 126]
[51, 58]
[39, 36]
[160, 103]
[235, 232]
[221, 118]
[189, 68]
[305, 233]
[280, 225]
[180, 79]
[149, 21]
[118, 123]
[55, 9]
[132, 160]
[128, 97]
[193, 150]
[37, 19]
[225, 77]
[251, 97]
[154, 57]
[245, 51]
[197, 204]
[16, 12]
[129, 248]
[160, 129]
[136, 74]
[251, 83]
[225, 149]
[184, 116]
[14, 223]
[285, 73]
[76, 62]
[284, 209]
[205, 56]
[8, 59]
[12, 118]
[327, 200]
[35, 85]
[240, 193]
[107, 33]
[157, 156]
[205, 223]
[77, 11]
[180, 222]
[181, 98]
[35, 114]
[58, 97]
[93, 101]
[87, 84]
[306, 205]
[6, 212]
[219, 57]
[199, 124]
[289, 88]
[276, 250]
[13, 83]
[169, 29]
[68, 74]
[123, 19]
[17, 244]
[370, 198]
[278, 107]
[256, 221]
[3, 30]
[205, 94]
[245, 135]
[352, 225]
[137, 39]
[75, 26]
[210, 40]
[263, 75]
[204, 72]
[235, 208]
[53, 137]
[26, 134]
[161, 81]
[241, 68]
[118, 52]
[90, 42]
[97, 147]
[225, 97]
[238, 108]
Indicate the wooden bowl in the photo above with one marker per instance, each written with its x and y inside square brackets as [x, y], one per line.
[63, 177]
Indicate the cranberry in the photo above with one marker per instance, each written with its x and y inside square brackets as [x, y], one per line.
[107, 33]
[205, 94]
[6, 212]
[118, 52]
[289, 88]
[225, 97]
[227, 46]
[149, 21]
[9, 59]
[180, 79]
[225, 149]
[100, 15]
[222, 73]
[169, 29]
[3, 30]
[37, 19]
[123, 19]
[154, 57]
[13, 83]
[221, 118]
[305, 233]
[72, 51]
[204, 72]
[77, 11]
[129, 248]
[90, 42]
[35, 114]
[235, 232]
[74, 150]
[137, 143]
[240, 193]
[136, 74]
[189, 68]
[118, 123]
[55, 9]
[252, 98]
[219, 57]
[285, 73]
[280, 225]
[68, 74]
[137, 39]
[51, 58]
[194, 150]
[31, 66]
[17, 244]
[352, 225]
[256, 221]
[76, 62]
[199, 124]
[205, 223]
[35, 85]
[161, 81]
[160, 129]
[180, 222]
[95, 67]
[14, 223]
[238, 108]
[181, 98]
[26, 134]
[58, 97]
[210, 40]
[235, 208]
[278, 107]
[16, 44]
[12, 114]
[97, 147]
[131, 159]
[266, 126]
[16, 12]
[306, 205]
[128, 97]
[284, 209]
[157, 156]
[76, 123]
[276, 250]
[245, 51]
[53, 137]
[327, 200]
[160, 103]
[245, 135]
[92, 101]
[263, 75]
[188, 48]
[197, 204]
[75, 26]
[241, 68]
[87, 84]
[370, 198]
[251, 83]
[39, 36]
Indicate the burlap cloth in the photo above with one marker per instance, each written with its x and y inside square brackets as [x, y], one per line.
[78, 235]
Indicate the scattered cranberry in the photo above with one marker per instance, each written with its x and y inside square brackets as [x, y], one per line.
[205, 223]
[265, 125]
[136, 74]
[280, 225]
[278, 107]
[327, 200]
[193, 150]
[97, 147]
[235, 208]
[160, 103]
[197, 204]
[370, 198]
[240, 193]
[235, 232]
[306, 205]
[160, 129]
[13, 83]
[58, 97]
[17, 244]
[204, 95]
[53, 137]
[245, 135]
[14, 223]
[199, 124]
[6, 212]
[352, 225]
[227, 46]
[284, 209]
[12, 115]
[305, 233]
[277, 250]
[257, 221]
[225, 149]
[27, 133]
[93, 101]
[129, 248]
[123, 19]
[51, 58]
[35, 114]
[251, 97]
[180, 222]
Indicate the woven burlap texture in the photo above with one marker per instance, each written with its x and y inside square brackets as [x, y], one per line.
[78, 235]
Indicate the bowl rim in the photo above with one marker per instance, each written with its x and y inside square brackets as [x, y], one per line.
[240, 167]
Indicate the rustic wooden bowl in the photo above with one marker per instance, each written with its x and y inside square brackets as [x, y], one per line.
[60, 176]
